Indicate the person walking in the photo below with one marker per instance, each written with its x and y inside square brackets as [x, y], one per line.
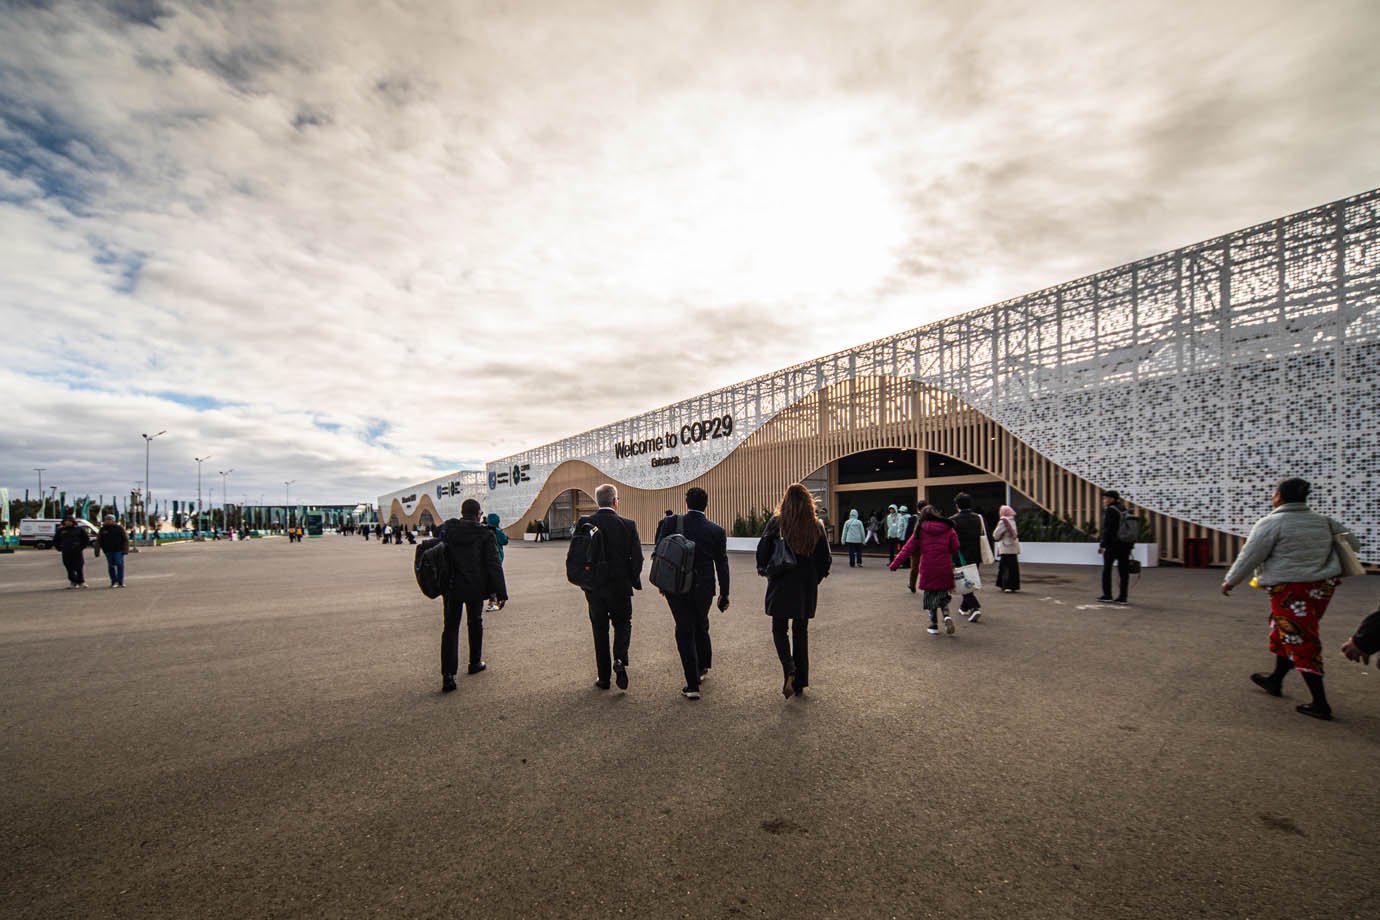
[1008, 541]
[1292, 552]
[72, 541]
[691, 611]
[1113, 549]
[895, 532]
[874, 530]
[114, 542]
[501, 538]
[476, 576]
[933, 543]
[971, 530]
[853, 537]
[611, 603]
[793, 581]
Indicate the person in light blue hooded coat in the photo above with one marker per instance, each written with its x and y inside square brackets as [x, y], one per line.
[853, 536]
[492, 520]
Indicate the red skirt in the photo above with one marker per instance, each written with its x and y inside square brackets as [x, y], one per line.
[1296, 610]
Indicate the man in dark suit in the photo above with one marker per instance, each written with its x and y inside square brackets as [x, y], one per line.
[477, 576]
[611, 603]
[691, 611]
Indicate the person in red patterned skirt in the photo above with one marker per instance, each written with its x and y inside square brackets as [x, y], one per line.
[1293, 554]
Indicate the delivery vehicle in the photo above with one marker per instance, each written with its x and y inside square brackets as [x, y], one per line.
[39, 532]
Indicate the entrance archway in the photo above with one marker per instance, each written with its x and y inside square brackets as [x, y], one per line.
[565, 509]
[426, 521]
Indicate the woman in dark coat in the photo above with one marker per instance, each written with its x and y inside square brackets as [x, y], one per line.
[793, 592]
[72, 541]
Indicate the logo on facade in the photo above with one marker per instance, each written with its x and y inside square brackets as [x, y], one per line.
[518, 473]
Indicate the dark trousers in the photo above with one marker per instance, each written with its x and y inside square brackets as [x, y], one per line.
[691, 613]
[893, 546]
[603, 612]
[455, 605]
[1009, 571]
[795, 656]
[74, 562]
[1120, 553]
[854, 554]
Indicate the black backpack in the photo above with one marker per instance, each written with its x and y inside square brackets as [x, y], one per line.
[586, 565]
[1128, 530]
[433, 568]
[673, 561]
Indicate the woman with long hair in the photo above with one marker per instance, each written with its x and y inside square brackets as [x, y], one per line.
[1008, 540]
[793, 554]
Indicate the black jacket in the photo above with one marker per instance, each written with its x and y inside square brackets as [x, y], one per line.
[969, 526]
[711, 549]
[474, 559]
[794, 593]
[72, 539]
[1111, 526]
[112, 539]
[622, 549]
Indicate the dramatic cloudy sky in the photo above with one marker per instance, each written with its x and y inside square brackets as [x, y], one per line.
[359, 244]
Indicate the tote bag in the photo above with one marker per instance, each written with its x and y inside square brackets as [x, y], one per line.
[985, 544]
[1351, 563]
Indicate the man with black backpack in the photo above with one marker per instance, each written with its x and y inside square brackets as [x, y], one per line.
[475, 575]
[610, 553]
[695, 542]
[1117, 538]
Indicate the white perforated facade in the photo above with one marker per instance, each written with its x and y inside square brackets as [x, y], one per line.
[1191, 381]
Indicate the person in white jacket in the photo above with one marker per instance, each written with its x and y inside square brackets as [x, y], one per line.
[853, 537]
[1008, 541]
[895, 532]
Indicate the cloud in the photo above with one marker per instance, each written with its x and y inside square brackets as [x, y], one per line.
[348, 245]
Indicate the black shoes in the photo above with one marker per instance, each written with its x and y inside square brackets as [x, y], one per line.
[1105, 598]
[1316, 711]
[689, 693]
[1268, 684]
[602, 684]
[447, 683]
[476, 668]
[620, 674]
[1121, 600]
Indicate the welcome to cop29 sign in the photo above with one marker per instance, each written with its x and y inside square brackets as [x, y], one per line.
[709, 429]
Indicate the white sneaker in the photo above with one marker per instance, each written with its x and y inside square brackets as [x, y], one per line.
[490, 608]
[977, 615]
[948, 624]
[933, 628]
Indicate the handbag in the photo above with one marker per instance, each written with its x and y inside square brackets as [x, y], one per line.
[1351, 563]
[967, 578]
[782, 559]
[984, 545]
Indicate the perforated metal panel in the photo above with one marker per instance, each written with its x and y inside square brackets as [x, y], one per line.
[1191, 381]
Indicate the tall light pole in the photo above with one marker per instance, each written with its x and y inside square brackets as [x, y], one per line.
[42, 504]
[224, 515]
[148, 485]
[287, 491]
[197, 528]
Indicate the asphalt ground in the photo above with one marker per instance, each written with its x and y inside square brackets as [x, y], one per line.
[256, 730]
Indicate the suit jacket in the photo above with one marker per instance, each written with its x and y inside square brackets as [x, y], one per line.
[622, 550]
[711, 549]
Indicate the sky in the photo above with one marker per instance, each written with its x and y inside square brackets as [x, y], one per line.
[358, 245]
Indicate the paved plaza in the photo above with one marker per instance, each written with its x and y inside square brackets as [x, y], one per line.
[255, 730]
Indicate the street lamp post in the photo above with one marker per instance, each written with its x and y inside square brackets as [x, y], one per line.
[287, 492]
[199, 506]
[224, 515]
[148, 485]
[42, 503]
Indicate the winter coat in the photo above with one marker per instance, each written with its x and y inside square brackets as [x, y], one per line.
[971, 531]
[1004, 535]
[1367, 635]
[1111, 526]
[1290, 544]
[895, 526]
[72, 539]
[499, 535]
[853, 529]
[936, 542]
[112, 539]
[474, 560]
[793, 593]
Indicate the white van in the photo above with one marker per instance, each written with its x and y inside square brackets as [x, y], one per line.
[39, 532]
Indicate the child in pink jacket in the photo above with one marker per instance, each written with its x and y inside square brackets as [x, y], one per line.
[936, 542]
